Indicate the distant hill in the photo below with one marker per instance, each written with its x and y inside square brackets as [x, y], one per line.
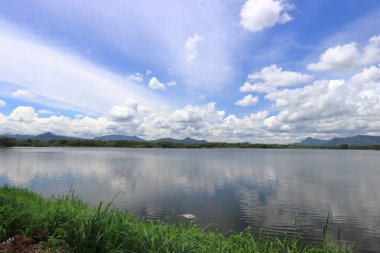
[18, 136]
[115, 137]
[186, 140]
[50, 136]
[41, 137]
[358, 140]
[312, 142]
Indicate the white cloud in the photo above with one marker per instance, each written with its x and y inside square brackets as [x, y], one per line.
[191, 47]
[171, 83]
[256, 15]
[120, 27]
[122, 113]
[367, 75]
[22, 94]
[329, 107]
[2, 103]
[148, 72]
[247, 101]
[131, 111]
[66, 77]
[46, 112]
[130, 118]
[324, 108]
[371, 53]
[137, 77]
[272, 77]
[155, 84]
[23, 114]
[348, 56]
[337, 58]
[197, 114]
[316, 101]
[201, 121]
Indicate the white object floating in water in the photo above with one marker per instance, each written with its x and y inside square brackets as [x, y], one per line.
[189, 216]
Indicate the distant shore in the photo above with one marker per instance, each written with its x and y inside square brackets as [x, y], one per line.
[9, 142]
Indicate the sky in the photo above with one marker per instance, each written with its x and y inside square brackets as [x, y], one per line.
[261, 71]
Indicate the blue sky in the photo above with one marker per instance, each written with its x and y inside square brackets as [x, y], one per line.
[250, 70]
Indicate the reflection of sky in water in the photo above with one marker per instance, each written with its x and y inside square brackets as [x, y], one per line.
[230, 189]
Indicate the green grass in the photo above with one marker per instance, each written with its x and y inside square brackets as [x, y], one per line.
[70, 225]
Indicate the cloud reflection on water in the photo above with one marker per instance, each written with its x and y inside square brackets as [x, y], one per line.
[228, 188]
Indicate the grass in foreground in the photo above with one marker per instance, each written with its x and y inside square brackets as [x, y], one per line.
[66, 224]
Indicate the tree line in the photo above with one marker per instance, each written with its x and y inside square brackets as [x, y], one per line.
[9, 142]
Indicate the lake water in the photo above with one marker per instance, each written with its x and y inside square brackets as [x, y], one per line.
[229, 188]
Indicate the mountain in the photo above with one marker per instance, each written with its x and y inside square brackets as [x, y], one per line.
[115, 137]
[18, 136]
[49, 136]
[186, 140]
[311, 142]
[358, 140]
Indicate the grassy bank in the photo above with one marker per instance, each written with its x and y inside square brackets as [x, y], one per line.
[66, 224]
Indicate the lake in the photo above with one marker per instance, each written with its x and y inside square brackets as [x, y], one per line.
[228, 188]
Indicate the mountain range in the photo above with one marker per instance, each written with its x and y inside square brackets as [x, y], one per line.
[116, 137]
[358, 140]
[50, 136]
[186, 140]
[41, 137]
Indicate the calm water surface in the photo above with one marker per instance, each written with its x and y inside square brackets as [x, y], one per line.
[229, 188]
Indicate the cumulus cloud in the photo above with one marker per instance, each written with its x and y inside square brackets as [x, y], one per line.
[272, 77]
[122, 113]
[319, 100]
[137, 77]
[348, 56]
[191, 47]
[155, 84]
[256, 15]
[201, 121]
[46, 112]
[197, 114]
[22, 94]
[2, 103]
[23, 114]
[330, 106]
[127, 112]
[323, 108]
[370, 74]
[371, 53]
[247, 101]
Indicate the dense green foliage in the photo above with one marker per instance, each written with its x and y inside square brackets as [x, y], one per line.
[72, 226]
[7, 142]
[147, 144]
